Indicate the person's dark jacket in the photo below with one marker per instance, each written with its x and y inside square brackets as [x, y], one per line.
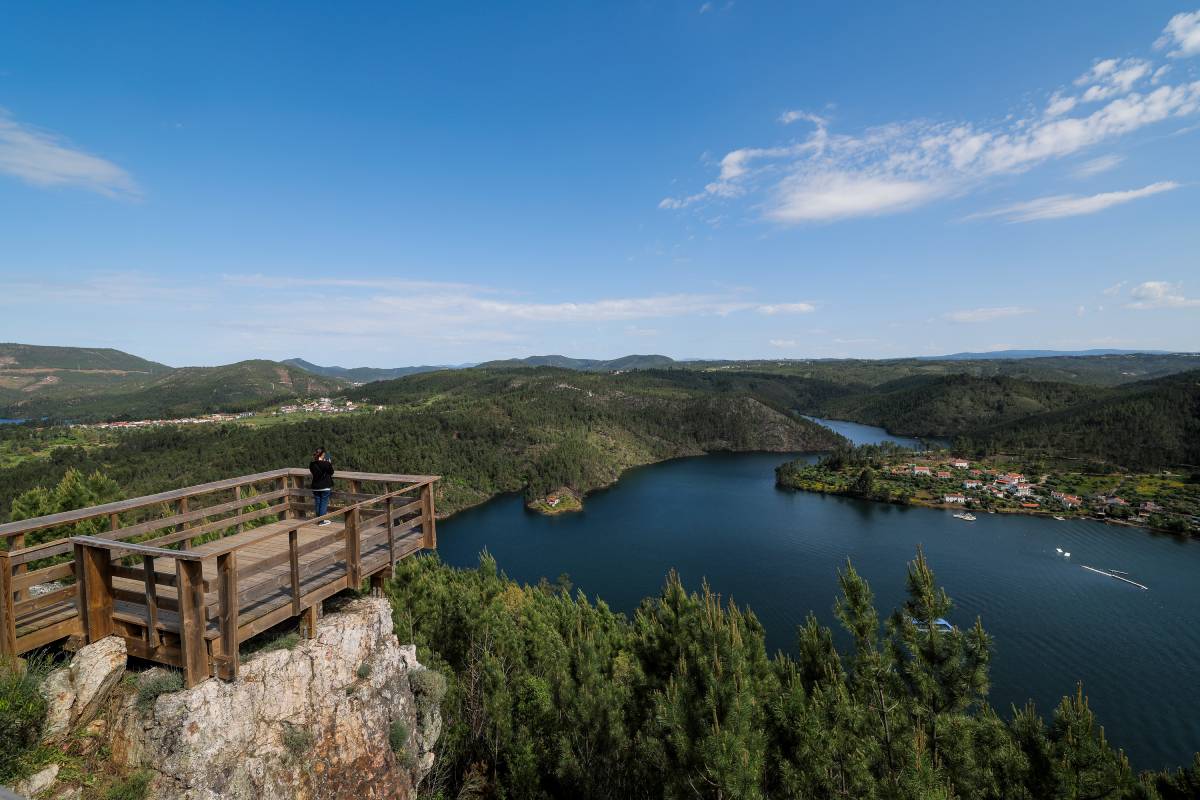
[322, 475]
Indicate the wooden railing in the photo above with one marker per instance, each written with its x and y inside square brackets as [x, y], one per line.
[201, 531]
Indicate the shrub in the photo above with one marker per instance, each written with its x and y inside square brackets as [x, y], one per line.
[280, 641]
[22, 712]
[132, 787]
[398, 738]
[152, 687]
[298, 741]
[364, 671]
[428, 687]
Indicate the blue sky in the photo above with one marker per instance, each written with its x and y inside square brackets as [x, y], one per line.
[438, 183]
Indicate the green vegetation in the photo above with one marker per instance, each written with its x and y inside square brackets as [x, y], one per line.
[364, 671]
[358, 374]
[297, 740]
[183, 392]
[484, 431]
[22, 712]
[163, 681]
[551, 695]
[130, 787]
[268, 642]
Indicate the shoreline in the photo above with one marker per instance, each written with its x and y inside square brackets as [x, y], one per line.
[917, 503]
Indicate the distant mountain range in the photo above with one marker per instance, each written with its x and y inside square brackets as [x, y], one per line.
[585, 364]
[367, 374]
[1040, 354]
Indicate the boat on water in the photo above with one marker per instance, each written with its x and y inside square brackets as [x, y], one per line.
[1060, 519]
[967, 515]
[939, 624]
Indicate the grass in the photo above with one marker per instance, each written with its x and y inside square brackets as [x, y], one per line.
[131, 787]
[22, 713]
[298, 741]
[398, 739]
[269, 641]
[152, 687]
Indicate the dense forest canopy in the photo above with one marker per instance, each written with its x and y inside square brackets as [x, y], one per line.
[553, 695]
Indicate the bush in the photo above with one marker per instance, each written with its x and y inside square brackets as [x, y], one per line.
[428, 687]
[279, 641]
[364, 671]
[133, 787]
[398, 738]
[152, 687]
[22, 712]
[298, 741]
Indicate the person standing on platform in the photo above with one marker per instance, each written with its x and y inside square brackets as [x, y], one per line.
[321, 468]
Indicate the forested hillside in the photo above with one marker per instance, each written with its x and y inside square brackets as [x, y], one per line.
[552, 695]
[359, 374]
[182, 392]
[485, 431]
[952, 404]
[34, 371]
[1142, 426]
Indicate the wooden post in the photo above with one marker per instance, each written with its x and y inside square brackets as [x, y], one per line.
[391, 536]
[428, 524]
[183, 509]
[151, 602]
[353, 566]
[237, 495]
[16, 543]
[294, 557]
[189, 578]
[8, 618]
[308, 620]
[114, 522]
[285, 484]
[377, 584]
[227, 589]
[94, 579]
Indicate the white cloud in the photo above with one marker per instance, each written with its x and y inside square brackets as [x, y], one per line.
[1182, 33]
[43, 159]
[1097, 165]
[1115, 289]
[986, 314]
[783, 343]
[787, 308]
[1160, 294]
[1068, 205]
[826, 176]
[705, 8]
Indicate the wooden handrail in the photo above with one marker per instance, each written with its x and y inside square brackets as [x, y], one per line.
[130, 547]
[11, 529]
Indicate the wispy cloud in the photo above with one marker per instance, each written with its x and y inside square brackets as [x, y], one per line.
[783, 343]
[41, 158]
[827, 176]
[787, 308]
[1068, 205]
[1183, 34]
[1097, 165]
[986, 314]
[1160, 294]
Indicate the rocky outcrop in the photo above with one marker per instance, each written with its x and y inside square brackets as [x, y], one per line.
[336, 716]
[75, 692]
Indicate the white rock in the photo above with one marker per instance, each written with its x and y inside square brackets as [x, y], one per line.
[75, 692]
[287, 727]
[37, 782]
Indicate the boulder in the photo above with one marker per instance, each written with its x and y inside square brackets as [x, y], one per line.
[75, 692]
[311, 722]
[38, 782]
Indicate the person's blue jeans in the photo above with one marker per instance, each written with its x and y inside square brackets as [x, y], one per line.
[321, 498]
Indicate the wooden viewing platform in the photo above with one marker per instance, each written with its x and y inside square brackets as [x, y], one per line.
[185, 576]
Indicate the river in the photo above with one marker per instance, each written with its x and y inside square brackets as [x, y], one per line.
[721, 517]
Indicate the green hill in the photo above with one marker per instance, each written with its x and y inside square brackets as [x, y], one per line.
[182, 392]
[360, 374]
[624, 363]
[34, 371]
[1142, 426]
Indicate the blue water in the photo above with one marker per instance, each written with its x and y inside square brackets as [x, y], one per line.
[721, 518]
[868, 434]
[4, 421]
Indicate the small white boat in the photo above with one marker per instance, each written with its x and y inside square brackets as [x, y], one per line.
[1060, 519]
[967, 515]
[939, 624]
[1059, 549]
[1066, 555]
